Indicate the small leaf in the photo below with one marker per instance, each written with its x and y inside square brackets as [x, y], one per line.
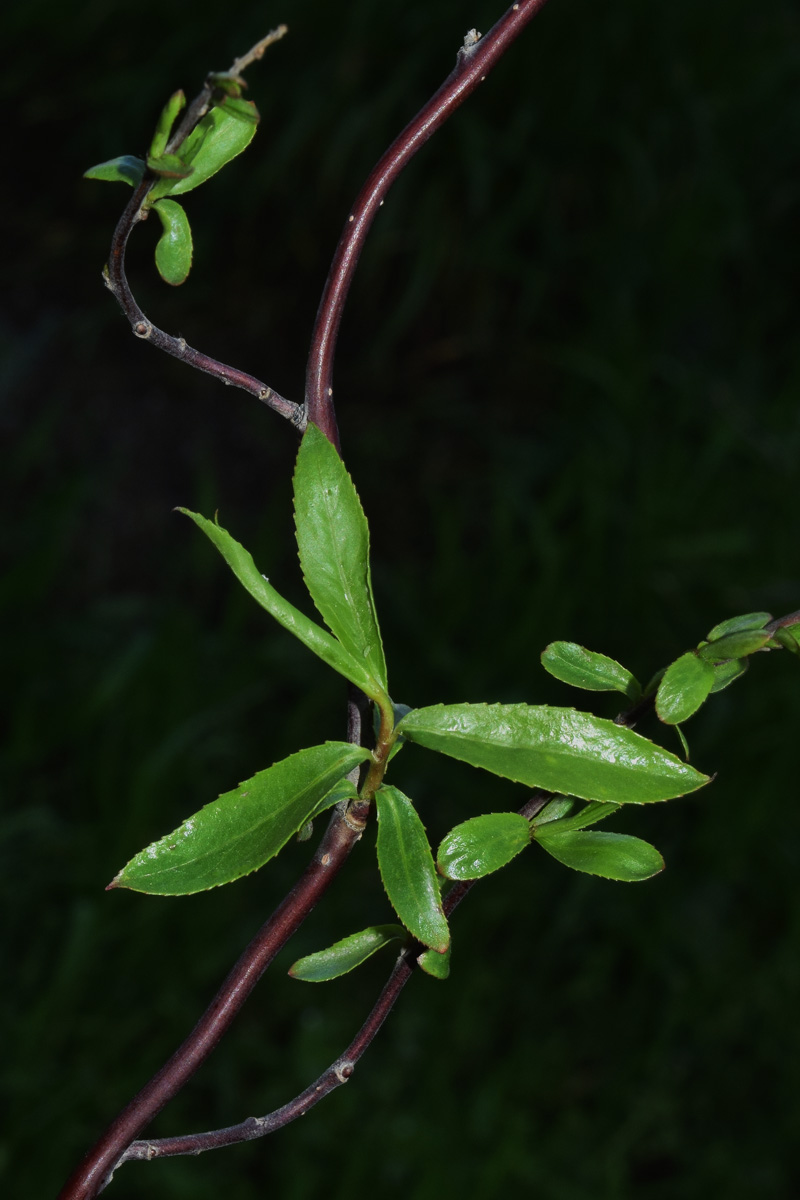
[735, 645]
[586, 669]
[125, 169]
[166, 120]
[590, 814]
[333, 541]
[727, 672]
[242, 829]
[558, 807]
[437, 965]
[611, 855]
[554, 748]
[346, 955]
[789, 638]
[174, 249]
[317, 639]
[684, 687]
[407, 870]
[214, 141]
[482, 845]
[169, 166]
[739, 624]
[242, 110]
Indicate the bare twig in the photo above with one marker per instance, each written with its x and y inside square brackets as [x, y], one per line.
[475, 59]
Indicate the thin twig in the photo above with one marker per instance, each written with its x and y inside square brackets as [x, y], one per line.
[475, 59]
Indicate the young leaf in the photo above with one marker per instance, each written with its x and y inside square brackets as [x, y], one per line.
[554, 748]
[317, 639]
[726, 672]
[482, 845]
[166, 120]
[612, 855]
[741, 624]
[347, 954]
[242, 829]
[125, 169]
[437, 965]
[243, 110]
[684, 686]
[407, 870]
[789, 638]
[559, 806]
[214, 141]
[169, 166]
[735, 645]
[590, 814]
[174, 249]
[333, 541]
[586, 669]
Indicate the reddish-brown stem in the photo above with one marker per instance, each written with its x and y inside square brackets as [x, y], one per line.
[475, 59]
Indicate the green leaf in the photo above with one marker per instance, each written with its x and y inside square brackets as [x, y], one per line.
[590, 814]
[242, 829]
[684, 687]
[169, 166]
[789, 638]
[214, 141]
[310, 634]
[612, 855]
[727, 672]
[482, 845]
[125, 169]
[558, 807]
[554, 748]
[333, 541]
[437, 965]
[347, 954]
[242, 110]
[174, 249]
[739, 624]
[407, 870]
[583, 668]
[166, 120]
[735, 645]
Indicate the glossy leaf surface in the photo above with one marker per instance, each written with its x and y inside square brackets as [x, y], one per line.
[345, 955]
[684, 686]
[333, 542]
[407, 870]
[482, 845]
[307, 631]
[611, 855]
[217, 139]
[590, 814]
[554, 748]
[174, 249]
[747, 621]
[242, 829]
[583, 668]
[125, 169]
[437, 965]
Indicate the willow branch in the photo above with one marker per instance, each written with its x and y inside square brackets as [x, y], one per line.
[474, 61]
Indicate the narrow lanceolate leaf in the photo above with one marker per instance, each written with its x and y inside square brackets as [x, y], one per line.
[583, 668]
[684, 687]
[747, 621]
[166, 120]
[482, 845]
[612, 855]
[333, 541]
[590, 814]
[307, 631]
[174, 249]
[346, 955]
[407, 870]
[437, 965]
[242, 829]
[554, 748]
[217, 139]
[125, 169]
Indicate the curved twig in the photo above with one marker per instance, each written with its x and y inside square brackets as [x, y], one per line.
[475, 59]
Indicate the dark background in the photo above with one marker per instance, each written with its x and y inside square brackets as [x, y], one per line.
[568, 389]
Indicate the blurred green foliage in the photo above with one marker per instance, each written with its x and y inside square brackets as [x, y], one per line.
[568, 387]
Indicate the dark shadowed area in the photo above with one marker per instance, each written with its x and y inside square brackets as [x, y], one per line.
[568, 388]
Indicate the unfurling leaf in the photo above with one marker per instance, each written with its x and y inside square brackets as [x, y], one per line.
[586, 669]
[482, 845]
[407, 870]
[611, 855]
[213, 142]
[554, 748]
[333, 542]
[347, 954]
[125, 169]
[307, 631]
[684, 687]
[166, 120]
[243, 829]
[174, 249]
